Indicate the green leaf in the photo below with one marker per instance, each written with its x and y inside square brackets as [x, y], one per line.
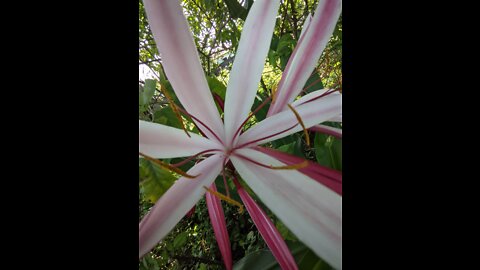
[180, 240]
[294, 148]
[209, 4]
[149, 90]
[272, 58]
[236, 10]
[141, 100]
[264, 260]
[259, 260]
[262, 113]
[311, 261]
[328, 151]
[216, 86]
[274, 43]
[285, 45]
[285, 140]
[313, 83]
[154, 180]
[166, 116]
[287, 148]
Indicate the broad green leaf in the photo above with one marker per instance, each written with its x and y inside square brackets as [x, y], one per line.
[285, 45]
[149, 90]
[216, 86]
[154, 180]
[274, 43]
[264, 260]
[236, 10]
[259, 260]
[209, 4]
[294, 148]
[336, 153]
[287, 148]
[180, 240]
[141, 100]
[262, 113]
[284, 49]
[166, 116]
[311, 261]
[313, 83]
[328, 151]
[285, 140]
[272, 57]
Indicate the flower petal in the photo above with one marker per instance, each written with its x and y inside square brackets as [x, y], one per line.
[324, 175]
[306, 54]
[160, 141]
[176, 202]
[315, 94]
[337, 118]
[267, 229]
[217, 218]
[249, 62]
[277, 126]
[181, 63]
[310, 210]
[307, 22]
[336, 132]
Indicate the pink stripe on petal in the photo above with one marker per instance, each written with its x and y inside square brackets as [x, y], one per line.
[326, 176]
[306, 54]
[336, 132]
[267, 229]
[248, 65]
[181, 62]
[217, 218]
[176, 202]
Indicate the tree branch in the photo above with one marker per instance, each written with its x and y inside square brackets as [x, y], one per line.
[294, 20]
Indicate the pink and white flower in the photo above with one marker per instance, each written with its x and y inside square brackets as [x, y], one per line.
[307, 200]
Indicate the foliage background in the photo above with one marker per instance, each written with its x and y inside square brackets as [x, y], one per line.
[216, 26]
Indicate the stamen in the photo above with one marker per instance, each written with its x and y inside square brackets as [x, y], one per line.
[297, 166]
[225, 198]
[273, 93]
[167, 166]
[299, 119]
[174, 108]
[183, 162]
[200, 122]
